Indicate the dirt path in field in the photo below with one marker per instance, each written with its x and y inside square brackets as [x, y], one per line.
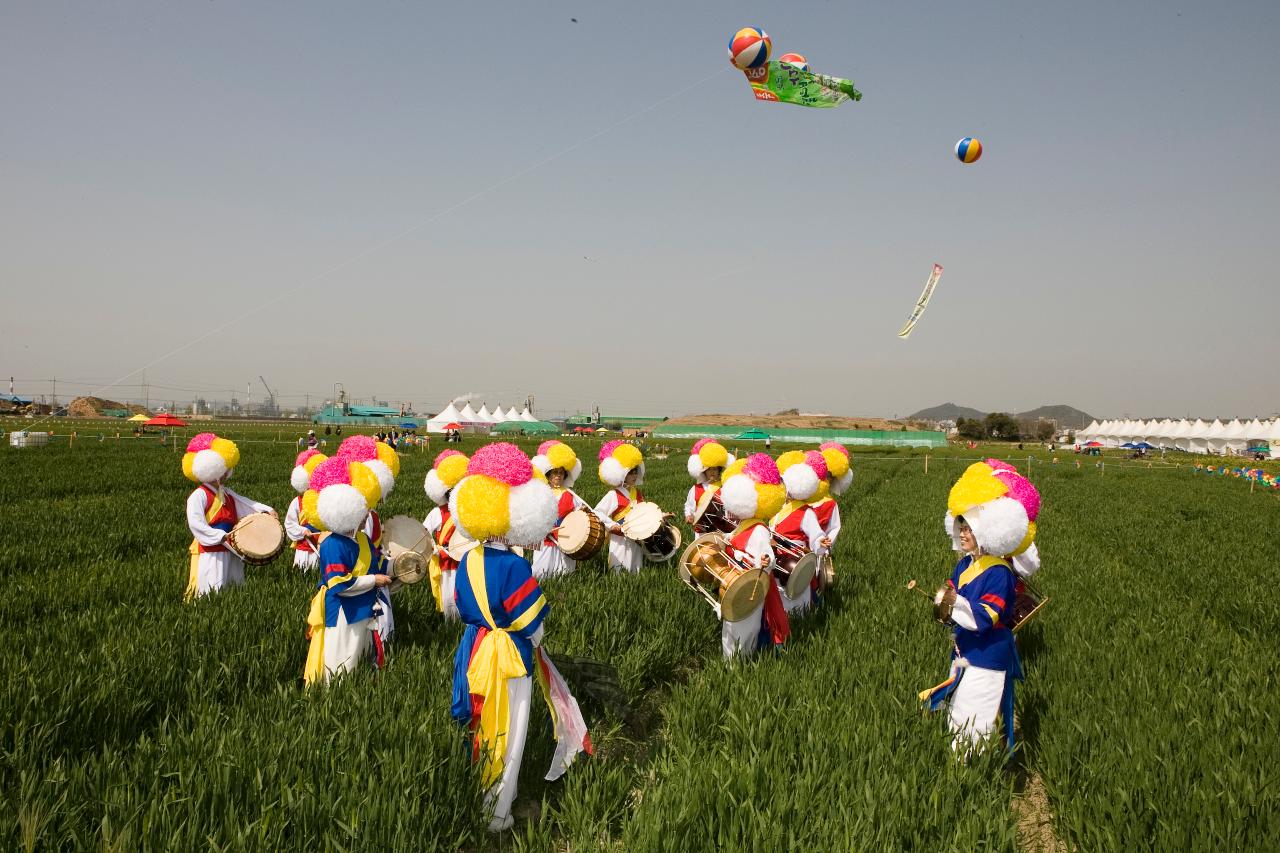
[1035, 820]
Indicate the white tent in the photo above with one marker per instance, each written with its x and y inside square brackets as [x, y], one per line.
[1087, 433]
[1198, 437]
[1233, 436]
[448, 416]
[527, 415]
[512, 414]
[483, 415]
[1165, 433]
[1215, 437]
[1274, 439]
[468, 415]
[499, 415]
[1182, 435]
[1256, 429]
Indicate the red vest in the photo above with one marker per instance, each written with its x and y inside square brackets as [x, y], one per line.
[790, 528]
[376, 538]
[447, 563]
[740, 540]
[623, 503]
[824, 510]
[224, 520]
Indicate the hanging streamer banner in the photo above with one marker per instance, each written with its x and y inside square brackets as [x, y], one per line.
[922, 303]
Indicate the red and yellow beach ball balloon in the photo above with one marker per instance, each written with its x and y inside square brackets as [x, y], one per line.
[749, 48]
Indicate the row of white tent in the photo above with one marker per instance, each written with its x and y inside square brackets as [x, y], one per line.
[468, 416]
[1191, 436]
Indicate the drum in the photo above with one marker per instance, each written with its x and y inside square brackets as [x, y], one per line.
[794, 565]
[1026, 603]
[737, 590]
[826, 571]
[646, 524]
[459, 545]
[257, 538]
[709, 516]
[581, 535]
[943, 602]
[405, 542]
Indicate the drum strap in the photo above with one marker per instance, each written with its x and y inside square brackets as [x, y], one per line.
[625, 502]
[210, 513]
[316, 617]
[787, 508]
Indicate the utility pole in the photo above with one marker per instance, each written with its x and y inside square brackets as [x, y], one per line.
[55, 393]
[146, 394]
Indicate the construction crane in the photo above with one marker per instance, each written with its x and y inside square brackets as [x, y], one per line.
[269, 407]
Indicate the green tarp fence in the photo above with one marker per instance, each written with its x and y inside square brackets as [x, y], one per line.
[850, 437]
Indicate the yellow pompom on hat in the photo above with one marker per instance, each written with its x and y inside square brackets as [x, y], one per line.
[340, 495]
[616, 459]
[803, 473]
[449, 469]
[999, 523]
[209, 458]
[753, 488]
[556, 454]
[708, 453]
[503, 497]
[839, 472]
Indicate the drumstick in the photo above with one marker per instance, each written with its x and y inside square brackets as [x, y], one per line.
[912, 585]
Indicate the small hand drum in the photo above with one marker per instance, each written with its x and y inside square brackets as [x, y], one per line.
[943, 601]
[459, 545]
[709, 515]
[257, 538]
[581, 535]
[647, 525]
[800, 575]
[404, 539]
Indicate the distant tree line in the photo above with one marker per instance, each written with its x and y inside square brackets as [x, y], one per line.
[1004, 427]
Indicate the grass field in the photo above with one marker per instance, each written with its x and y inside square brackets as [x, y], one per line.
[131, 721]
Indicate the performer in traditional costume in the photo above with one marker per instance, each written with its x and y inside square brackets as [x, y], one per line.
[212, 510]
[560, 465]
[835, 483]
[621, 468]
[301, 534]
[341, 622]
[449, 469]
[384, 462]
[503, 501]
[753, 493]
[707, 461]
[802, 471]
[985, 524]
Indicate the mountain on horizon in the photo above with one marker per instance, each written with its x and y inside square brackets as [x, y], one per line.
[946, 412]
[1067, 417]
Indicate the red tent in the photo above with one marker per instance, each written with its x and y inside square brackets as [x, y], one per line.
[453, 425]
[165, 420]
[1094, 444]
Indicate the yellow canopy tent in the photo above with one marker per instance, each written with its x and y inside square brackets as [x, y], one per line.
[140, 418]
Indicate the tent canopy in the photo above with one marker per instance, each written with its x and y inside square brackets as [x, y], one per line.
[754, 435]
[408, 425]
[166, 420]
[526, 428]
[140, 418]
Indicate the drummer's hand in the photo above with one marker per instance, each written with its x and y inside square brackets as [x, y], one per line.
[273, 514]
[382, 580]
[688, 519]
[617, 530]
[762, 561]
[825, 541]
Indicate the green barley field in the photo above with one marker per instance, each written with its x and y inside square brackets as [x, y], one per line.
[1149, 721]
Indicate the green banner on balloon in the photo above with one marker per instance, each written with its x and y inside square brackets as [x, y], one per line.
[785, 83]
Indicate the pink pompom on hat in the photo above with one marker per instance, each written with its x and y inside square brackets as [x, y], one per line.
[754, 491]
[503, 462]
[500, 498]
[554, 454]
[707, 453]
[341, 493]
[208, 458]
[817, 462]
[200, 441]
[606, 449]
[617, 458]
[379, 457]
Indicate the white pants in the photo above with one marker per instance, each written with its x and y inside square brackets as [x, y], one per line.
[974, 705]
[218, 569]
[306, 560]
[625, 555]
[503, 793]
[448, 583]
[795, 605]
[346, 645]
[740, 638]
[550, 562]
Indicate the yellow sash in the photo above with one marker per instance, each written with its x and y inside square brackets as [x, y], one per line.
[619, 514]
[434, 571]
[787, 508]
[193, 573]
[496, 660]
[314, 669]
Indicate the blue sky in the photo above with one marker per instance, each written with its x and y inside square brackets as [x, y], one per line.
[419, 200]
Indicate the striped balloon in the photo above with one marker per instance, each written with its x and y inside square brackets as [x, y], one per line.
[749, 48]
[795, 59]
[968, 150]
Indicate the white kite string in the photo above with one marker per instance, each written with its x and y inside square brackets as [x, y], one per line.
[377, 247]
